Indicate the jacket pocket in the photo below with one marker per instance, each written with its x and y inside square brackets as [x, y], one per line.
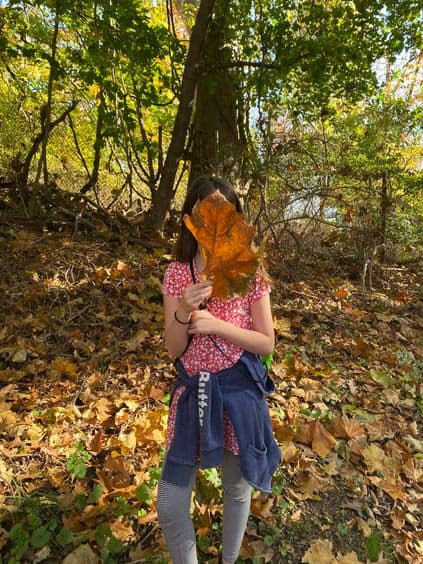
[256, 451]
[257, 465]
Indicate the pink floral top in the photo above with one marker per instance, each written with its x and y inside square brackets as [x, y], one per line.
[202, 354]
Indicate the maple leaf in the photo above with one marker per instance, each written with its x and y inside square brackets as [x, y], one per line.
[315, 434]
[375, 458]
[346, 428]
[320, 552]
[226, 242]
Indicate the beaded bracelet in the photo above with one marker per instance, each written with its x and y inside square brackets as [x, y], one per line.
[181, 322]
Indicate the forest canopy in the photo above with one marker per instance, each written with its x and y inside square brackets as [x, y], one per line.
[309, 108]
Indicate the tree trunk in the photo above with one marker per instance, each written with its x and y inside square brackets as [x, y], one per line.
[23, 174]
[163, 196]
[216, 141]
[92, 181]
[384, 207]
[46, 111]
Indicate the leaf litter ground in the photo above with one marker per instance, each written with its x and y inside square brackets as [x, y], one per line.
[85, 383]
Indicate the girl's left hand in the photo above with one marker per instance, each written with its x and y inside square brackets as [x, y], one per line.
[203, 323]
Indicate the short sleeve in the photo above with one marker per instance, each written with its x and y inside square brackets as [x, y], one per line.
[260, 289]
[174, 280]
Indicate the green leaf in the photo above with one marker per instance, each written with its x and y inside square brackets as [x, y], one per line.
[267, 360]
[95, 493]
[40, 537]
[342, 529]
[102, 534]
[64, 537]
[80, 502]
[18, 534]
[373, 545]
[382, 378]
[115, 545]
[143, 494]
[268, 540]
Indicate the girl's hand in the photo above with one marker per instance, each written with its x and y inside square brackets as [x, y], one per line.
[195, 294]
[203, 323]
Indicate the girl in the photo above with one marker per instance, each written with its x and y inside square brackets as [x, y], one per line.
[218, 414]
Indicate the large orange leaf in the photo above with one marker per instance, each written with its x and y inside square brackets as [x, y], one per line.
[226, 245]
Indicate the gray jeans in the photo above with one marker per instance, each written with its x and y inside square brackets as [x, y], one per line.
[173, 509]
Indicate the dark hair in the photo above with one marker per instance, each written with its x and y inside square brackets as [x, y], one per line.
[186, 245]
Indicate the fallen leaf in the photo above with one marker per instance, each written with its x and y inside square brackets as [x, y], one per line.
[315, 434]
[320, 552]
[81, 555]
[346, 428]
[375, 458]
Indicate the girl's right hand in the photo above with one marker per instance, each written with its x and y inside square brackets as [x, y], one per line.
[195, 294]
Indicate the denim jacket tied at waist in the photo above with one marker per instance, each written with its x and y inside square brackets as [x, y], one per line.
[199, 427]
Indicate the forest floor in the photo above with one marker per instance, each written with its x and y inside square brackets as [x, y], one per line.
[84, 392]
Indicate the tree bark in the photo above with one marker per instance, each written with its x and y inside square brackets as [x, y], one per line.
[92, 181]
[384, 207]
[216, 141]
[162, 197]
[22, 175]
[46, 112]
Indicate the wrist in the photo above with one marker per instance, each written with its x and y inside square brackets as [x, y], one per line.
[182, 315]
[220, 327]
[183, 310]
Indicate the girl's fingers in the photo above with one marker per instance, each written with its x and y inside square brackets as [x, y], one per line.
[202, 291]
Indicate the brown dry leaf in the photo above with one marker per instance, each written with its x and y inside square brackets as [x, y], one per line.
[8, 418]
[365, 528]
[350, 558]
[315, 434]
[124, 268]
[283, 328]
[6, 474]
[156, 393]
[310, 384]
[284, 432]
[375, 458]
[121, 416]
[261, 550]
[354, 312]
[121, 530]
[81, 555]
[97, 444]
[148, 518]
[410, 470]
[398, 518]
[320, 552]
[342, 293]
[132, 345]
[296, 367]
[388, 357]
[262, 506]
[128, 442]
[14, 354]
[346, 428]
[114, 473]
[309, 484]
[104, 408]
[11, 375]
[362, 348]
[64, 367]
[151, 427]
[392, 486]
[226, 242]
